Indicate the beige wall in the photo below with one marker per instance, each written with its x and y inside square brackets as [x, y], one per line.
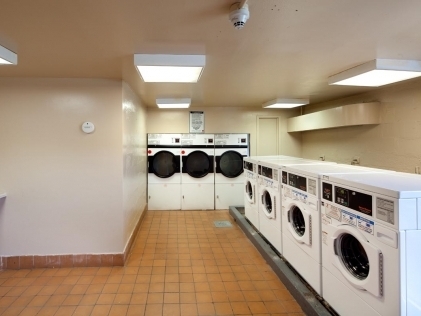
[394, 144]
[226, 120]
[64, 187]
[134, 160]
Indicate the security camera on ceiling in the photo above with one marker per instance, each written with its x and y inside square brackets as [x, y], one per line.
[239, 14]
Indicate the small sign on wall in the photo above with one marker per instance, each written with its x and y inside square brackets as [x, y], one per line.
[197, 122]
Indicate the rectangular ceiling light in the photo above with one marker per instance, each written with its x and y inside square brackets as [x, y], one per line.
[285, 103]
[378, 72]
[173, 103]
[7, 57]
[169, 68]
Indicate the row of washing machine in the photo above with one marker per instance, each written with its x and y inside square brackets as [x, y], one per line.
[353, 233]
[195, 171]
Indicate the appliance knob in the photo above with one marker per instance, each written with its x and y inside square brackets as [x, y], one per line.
[149, 151]
[183, 152]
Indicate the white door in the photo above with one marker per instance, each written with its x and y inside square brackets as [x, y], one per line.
[267, 136]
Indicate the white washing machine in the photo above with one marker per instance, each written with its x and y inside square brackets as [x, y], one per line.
[230, 149]
[251, 210]
[301, 230]
[197, 176]
[164, 177]
[251, 194]
[371, 237]
[269, 202]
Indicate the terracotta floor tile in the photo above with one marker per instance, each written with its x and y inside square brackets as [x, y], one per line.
[187, 298]
[136, 310]
[139, 298]
[155, 298]
[105, 299]
[153, 309]
[216, 286]
[171, 298]
[83, 311]
[171, 310]
[30, 311]
[187, 287]
[206, 309]
[122, 299]
[240, 308]
[202, 287]
[251, 296]
[56, 300]
[188, 309]
[101, 310]
[223, 309]
[219, 297]
[73, 299]
[204, 297]
[89, 299]
[65, 311]
[236, 296]
[118, 310]
[257, 307]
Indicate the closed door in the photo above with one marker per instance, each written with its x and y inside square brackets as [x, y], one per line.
[267, 136]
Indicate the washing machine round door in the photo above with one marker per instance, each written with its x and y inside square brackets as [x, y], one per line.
[267, 204]
[164, 164]
[353, 256]
[297, 221]
[249, 192]
[197, 164]
[230, 164]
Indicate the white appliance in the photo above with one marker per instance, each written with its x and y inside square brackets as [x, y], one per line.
[251, 194]
[371, 237]
[197, 177]
[269, 202]
[251, 210]
[301, 228]
[164, 177]
[230, 149]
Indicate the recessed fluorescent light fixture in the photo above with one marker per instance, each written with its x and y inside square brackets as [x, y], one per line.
[7, 57]
[173, 103]
[378, 72]
[285, 103]
[169, 68]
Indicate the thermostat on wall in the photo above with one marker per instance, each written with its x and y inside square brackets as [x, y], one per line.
[88, 127]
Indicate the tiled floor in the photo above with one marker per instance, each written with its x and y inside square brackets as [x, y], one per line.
[180, 265]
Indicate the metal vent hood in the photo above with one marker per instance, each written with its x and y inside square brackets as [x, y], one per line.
[346, 115]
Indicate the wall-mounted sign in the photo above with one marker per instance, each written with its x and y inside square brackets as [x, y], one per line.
[197, 122]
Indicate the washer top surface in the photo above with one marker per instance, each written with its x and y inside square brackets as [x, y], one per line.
[326, 169]
[270, 158]
[393, 184]
[278, 163]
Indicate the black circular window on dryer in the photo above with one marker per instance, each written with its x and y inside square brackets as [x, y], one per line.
[353, 256]
[165, 164]
[197, 164]
[267, 202]
[230, 164]
[297, 221]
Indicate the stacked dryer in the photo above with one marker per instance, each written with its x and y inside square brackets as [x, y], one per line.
[371, 237]
[301, 227]
[197, 177]
[164, 178]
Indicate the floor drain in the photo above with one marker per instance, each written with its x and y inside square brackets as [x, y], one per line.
[222, 224]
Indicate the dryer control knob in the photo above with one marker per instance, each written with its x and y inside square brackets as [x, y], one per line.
[183, 152]
[149, 151]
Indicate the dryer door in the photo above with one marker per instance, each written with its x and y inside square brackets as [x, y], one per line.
[229, 164]
[250, 192]
[268, 204]
[300, 224]
[360, 262]
[164, 164]
[197, 164]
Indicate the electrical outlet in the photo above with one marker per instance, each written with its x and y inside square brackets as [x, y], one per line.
[417, 169]
[355, 160]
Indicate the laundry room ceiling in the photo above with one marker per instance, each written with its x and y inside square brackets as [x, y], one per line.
[287, 49]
